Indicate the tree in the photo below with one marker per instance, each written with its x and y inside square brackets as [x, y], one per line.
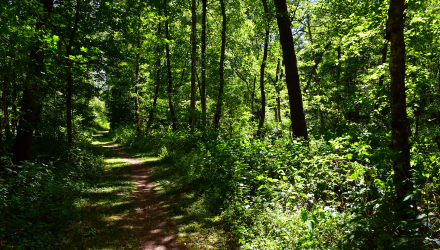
[170, 78]
[399, 123]
[26, 126]
[218, 112]
[69, 74]
[263, 67]
[193, 64]
[299, 127]
[203, 62]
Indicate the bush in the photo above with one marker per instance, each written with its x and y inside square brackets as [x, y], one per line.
[36, 198]
[279, 193]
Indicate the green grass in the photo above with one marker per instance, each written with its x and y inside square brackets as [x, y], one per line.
[197, 227]
[104, 210]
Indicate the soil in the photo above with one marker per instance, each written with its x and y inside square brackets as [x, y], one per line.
[149, 218]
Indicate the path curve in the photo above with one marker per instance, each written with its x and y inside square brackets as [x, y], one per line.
[149, 219]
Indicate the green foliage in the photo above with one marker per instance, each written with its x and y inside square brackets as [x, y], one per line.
[278, 193]
[99, 110]
[36, 198]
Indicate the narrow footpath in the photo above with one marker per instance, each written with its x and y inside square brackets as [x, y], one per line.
[148, 218]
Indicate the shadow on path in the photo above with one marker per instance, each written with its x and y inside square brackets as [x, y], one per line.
[149, 218]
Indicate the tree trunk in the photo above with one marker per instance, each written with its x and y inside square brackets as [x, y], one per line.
[277, 92]
[338, 81]
[402, 167]
[136, 89]
[299, 127]
[193, 64]
[5, 121]
[69, 75]
[262, 68]
[156, 92]
[203, 92]
[280, 87]
[222, 66]
[170, 79]
[25, 130]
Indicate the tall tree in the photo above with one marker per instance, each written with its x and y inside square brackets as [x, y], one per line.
[203, 87]
[170, 78]
[156, 92]
[263, 67]
[69, 74]
[399, 123]
[193, 63]
[299, 127]
[137, 81]
[218, 112]
[25, 130]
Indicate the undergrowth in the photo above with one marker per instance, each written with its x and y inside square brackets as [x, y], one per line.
[37, 197]
[274, 192]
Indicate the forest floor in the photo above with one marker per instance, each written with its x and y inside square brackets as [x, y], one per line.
[130, 208]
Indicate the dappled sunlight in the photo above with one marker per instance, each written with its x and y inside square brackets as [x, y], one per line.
[123, 206]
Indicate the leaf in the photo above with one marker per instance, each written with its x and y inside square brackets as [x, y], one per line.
[304, 215]
[408, 197]
[311, 224]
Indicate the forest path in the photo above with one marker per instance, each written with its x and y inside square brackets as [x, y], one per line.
[148, 218]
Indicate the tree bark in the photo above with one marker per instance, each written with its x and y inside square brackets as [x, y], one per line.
[193, 64]
[25, 129]
[222, 66]
[170, 78]
[299, 127]
[203, 92]
[262, 69]
[402, 167]
[277, 90]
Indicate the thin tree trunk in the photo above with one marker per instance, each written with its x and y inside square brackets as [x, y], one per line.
[170, 79]
[136, 89]
[279, 95]
[193, 64]
[222, 66]
[262, 69]
[299, 127]
[69, 76]
[156, 92]
[203, 92]
[25, 130]
[277, 91]
[310, 36]
[402, 167]
[417, 119]
[253, 94]
[338, 81]
[5, 121]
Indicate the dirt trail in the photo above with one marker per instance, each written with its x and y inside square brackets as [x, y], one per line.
[149, 219]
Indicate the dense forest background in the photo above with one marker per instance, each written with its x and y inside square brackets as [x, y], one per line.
[304, 123]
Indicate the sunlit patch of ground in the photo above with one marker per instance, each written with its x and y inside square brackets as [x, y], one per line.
[104, 210]
[197, 228]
